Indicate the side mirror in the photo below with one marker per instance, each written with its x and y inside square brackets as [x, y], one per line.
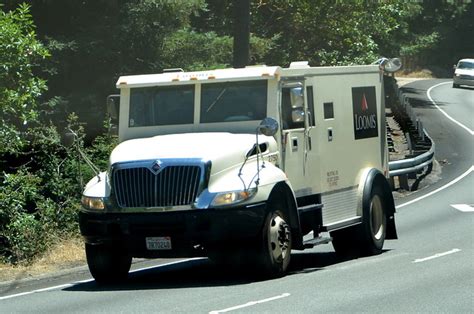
[454, 67]
[296, 97]
[389, 65]
[113, 106]
[392, 65]
[268, 127]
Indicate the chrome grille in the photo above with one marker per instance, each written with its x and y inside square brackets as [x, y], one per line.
[141, 187]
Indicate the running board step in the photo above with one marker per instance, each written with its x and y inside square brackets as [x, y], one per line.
[316, 241]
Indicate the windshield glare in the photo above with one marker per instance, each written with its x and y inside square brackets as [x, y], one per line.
[220, 102]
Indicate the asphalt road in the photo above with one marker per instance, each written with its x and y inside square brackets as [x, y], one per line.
[429, 269]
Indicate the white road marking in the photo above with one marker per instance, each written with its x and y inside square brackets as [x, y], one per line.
[439, 189]
[444, 112]
[68, 285]
[463, 207]
[436, 256]
[251, 303]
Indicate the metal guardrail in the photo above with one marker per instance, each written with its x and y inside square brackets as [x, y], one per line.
[416, 164]
[412, 165]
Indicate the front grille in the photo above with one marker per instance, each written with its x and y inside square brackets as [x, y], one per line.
[172, 186]
[467, 77]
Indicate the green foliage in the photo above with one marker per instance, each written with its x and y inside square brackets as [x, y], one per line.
[20, 52]
[21, 235]
[326, 32]
[39, 200]
[438, 33]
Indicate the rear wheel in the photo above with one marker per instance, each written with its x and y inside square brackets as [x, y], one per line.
[368, 237]
[374, 224]
[107, 264]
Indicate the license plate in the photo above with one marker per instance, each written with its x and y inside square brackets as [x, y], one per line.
[158, 243]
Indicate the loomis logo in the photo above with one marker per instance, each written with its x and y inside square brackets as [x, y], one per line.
[364, 107]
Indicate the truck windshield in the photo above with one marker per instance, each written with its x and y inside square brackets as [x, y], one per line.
[161, 106]
[233, 101]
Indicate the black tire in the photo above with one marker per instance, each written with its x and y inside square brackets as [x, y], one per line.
[275, 245]
[373, 230]
[107, 264]
[368, 237]
[455, 85]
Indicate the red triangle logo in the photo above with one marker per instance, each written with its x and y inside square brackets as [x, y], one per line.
[364, 103]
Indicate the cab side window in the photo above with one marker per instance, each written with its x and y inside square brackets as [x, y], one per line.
[293, 112]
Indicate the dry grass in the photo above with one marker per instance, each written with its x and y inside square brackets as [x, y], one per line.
[62, 255]
[416, 74]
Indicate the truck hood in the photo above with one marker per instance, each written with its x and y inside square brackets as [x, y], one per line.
[224, 150]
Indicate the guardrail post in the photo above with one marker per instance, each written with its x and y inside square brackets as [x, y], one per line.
[410, 147]
[421, 132]
[403, 181]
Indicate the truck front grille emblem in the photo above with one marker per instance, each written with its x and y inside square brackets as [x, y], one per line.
[156, 167]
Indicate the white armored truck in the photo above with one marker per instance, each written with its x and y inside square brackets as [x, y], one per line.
[242, 166]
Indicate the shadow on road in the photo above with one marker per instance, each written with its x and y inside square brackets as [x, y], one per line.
[204, 273]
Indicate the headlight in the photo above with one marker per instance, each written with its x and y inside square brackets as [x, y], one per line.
[232, 197]
[93, 203]
[457, 75]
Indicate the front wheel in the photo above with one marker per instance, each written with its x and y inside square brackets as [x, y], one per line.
[107, 264]
[276, 242]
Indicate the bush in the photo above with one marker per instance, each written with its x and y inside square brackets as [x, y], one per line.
[40, 199]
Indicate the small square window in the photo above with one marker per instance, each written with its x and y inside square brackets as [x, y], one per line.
[328, 110]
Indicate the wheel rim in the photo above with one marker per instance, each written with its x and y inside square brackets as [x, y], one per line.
[279, 238]
[377, 217]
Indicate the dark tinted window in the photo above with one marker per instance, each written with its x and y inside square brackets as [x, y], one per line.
[161, 106]
[328, 110]
[233, 101]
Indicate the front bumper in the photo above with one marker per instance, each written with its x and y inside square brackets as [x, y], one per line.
[464, 80]
[192, 232]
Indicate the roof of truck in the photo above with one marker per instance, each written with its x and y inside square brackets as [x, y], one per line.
[301, 70]
[178, 77]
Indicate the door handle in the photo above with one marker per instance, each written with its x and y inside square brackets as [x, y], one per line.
[294, 143]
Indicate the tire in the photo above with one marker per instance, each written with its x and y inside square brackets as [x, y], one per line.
[367, 238]
[455, 85]
[107, 264]
[374, 223]
[275, 245]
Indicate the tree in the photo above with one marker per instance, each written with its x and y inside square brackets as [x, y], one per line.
[439, 34]
[326, 32]
[20, 88]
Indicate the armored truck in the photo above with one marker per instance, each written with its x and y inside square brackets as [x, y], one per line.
[242, 166]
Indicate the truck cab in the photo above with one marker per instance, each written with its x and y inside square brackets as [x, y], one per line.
[242, 166]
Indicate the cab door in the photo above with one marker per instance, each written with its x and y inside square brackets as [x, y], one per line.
[296, 141]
